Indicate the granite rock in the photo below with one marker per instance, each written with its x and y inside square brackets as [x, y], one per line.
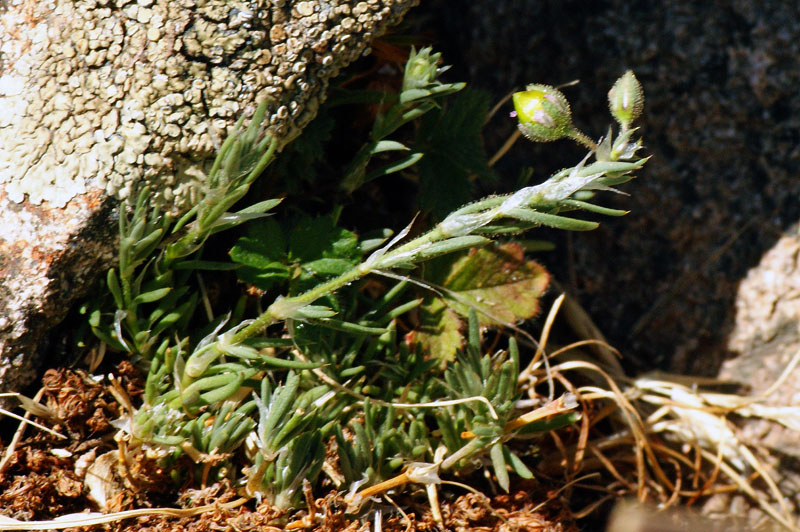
[702, 276]
[100, 96]
[721, 119]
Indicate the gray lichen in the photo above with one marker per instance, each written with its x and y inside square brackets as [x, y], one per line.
[102, 94]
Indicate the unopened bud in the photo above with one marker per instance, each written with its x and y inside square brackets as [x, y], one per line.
[543, 113]
[626, 99]
[421, 69]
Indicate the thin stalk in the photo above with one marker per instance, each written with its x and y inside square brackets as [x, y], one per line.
[284, 308]
[581, 138]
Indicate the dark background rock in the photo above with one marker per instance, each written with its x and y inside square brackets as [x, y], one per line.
[722, 121]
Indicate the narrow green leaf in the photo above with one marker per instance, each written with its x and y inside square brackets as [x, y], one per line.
[261, 206]
[552, 220]
[313, 312]
[591, 207]
[499, 465]
[220, 388]
[114, 287]
[280, 402]
[145, 246]
[150, 297]
[517, 465]
[348, 327]
[185, 219]
[281, 363]
[452, 245]
[205, 265]
[388, 145]
[410, 160]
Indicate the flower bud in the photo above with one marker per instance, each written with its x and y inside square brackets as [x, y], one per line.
[421, 69]
[626, 99]
[543, 113]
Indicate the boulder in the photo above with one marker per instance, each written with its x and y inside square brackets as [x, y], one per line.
[721, 120]
[100, 96]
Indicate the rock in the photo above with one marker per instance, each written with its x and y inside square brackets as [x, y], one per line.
[98, 96]
[766, 338]
[721, 119]
[705, 267]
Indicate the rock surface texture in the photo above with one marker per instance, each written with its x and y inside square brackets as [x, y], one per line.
[705, 267]
[98, 96]
[721, 119]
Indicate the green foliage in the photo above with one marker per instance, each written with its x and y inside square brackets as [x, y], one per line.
[420, 93]
[450, 138]
[314, 249]
[324, 358]
[494, 280]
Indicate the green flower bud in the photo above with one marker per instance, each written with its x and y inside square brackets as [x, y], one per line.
[543, 113]
[626, 99]
[421, 69]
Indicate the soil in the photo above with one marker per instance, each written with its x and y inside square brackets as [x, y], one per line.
[47, 477]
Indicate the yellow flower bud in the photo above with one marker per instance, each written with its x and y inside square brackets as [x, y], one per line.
[543, 113]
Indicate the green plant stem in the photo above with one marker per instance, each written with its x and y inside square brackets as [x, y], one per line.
[581, 138]
[285, 307]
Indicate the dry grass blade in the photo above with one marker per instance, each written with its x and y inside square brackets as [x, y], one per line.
[84, 519]
[697, 419]
[24, 422]
[632, 419]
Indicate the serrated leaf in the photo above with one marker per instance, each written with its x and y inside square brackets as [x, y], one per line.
[262, 253]
[453, 148]
[329, 266]
[439, 331]
[322, 250]
[262, 245]
[496, 281]
[317, 238]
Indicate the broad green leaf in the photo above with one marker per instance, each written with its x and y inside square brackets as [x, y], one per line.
[496, 281]
[453, 148]
[329, 266]
[322, 251]
[262, 254]
[439, 331]
[318, 238]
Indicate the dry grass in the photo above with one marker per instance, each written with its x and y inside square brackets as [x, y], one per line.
[660, 440]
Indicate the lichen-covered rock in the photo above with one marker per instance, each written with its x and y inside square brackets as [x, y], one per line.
[102, 94]
[47, 258]
[97, 96]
